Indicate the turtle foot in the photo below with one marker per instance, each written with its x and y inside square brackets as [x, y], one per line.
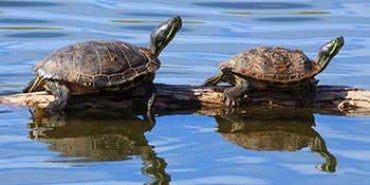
[231, 101]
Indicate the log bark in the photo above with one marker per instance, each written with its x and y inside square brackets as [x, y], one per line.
[338, 100]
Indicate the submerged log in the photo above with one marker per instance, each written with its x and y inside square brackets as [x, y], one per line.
[338, 100]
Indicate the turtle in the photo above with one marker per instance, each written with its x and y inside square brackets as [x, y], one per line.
[273, 68]
[97, 66]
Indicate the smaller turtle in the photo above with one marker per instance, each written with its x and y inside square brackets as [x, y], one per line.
[273, 68]
[101, 66]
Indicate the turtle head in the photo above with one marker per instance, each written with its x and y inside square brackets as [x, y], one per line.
[163, 34]
[328, 51]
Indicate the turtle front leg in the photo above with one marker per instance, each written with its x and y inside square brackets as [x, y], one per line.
[232, 95]
[61, 94]
[150, 95]
[220, 77]
[310, 92]
[214, 80]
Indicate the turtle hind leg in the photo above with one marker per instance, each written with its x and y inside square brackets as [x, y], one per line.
[232, 95]
[61, 94]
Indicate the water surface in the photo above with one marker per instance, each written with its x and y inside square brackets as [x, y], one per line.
[298, 148]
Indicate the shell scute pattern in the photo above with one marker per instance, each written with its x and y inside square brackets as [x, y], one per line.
[274, 64]
[96, 63]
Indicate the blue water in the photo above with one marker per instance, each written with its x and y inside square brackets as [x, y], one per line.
[183, 149]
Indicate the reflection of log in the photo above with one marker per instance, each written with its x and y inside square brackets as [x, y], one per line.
[329, 99]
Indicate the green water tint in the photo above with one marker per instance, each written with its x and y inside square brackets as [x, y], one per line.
[26, 4]
[313, 13]
[27, 28]
[253, 5]
[277, 13]
[130, 21]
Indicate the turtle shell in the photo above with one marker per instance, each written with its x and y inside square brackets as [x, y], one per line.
[98, 64]
[273, 64]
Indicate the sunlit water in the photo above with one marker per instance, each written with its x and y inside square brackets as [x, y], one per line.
[184, 149]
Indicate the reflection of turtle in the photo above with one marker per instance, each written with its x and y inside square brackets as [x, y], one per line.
[103, 136]
[95, 66]
[273, 68]
[275, 130]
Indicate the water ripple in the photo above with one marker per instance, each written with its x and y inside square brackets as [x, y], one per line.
[26, 4]
[213, 31]
[223, 179]
[254, 5]
[23, 21]
[36, 35]
[288, 19]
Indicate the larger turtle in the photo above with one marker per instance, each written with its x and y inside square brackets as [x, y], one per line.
[98, 66]
[274, 68]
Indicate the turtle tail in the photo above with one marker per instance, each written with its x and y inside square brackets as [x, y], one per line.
[34, 85]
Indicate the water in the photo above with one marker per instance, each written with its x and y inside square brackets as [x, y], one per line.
[185, 149]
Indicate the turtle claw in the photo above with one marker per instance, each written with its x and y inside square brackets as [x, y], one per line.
[231, 101]
[234, 94]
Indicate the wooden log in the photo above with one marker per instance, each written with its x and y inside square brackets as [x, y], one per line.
[339, 100]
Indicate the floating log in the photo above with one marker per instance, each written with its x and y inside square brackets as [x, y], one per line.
[339, 100]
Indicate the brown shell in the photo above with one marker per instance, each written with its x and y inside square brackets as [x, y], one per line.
[273, 64]
[98, 64]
